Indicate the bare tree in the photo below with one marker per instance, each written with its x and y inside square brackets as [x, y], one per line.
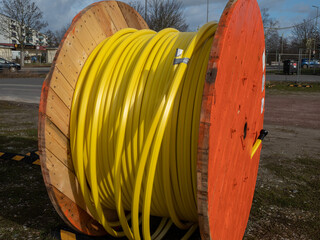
[305, 35]
[163, 14]
[272, 37]
[54, 38]
[22, 16]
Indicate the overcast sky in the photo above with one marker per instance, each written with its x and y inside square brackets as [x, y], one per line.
[59, 13]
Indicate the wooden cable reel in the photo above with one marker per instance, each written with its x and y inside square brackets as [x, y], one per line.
[232, 113]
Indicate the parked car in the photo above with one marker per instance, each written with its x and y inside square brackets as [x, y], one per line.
[306, 63]
[7, 65]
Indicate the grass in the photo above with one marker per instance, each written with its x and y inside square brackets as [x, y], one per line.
[287, 208]
[18, 127]
[25, 74]
[290, 208]
[307, 71]
[292, 87]
[37, 65]
[26, 211]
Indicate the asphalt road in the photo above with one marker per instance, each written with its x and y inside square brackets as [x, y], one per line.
[37, 70]
[21, 89]
[294, 78]
[29, 89]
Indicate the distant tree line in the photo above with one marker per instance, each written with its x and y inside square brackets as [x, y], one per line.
[304, 37]
[162, 14]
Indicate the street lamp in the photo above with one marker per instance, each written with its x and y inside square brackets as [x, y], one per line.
[317, 15]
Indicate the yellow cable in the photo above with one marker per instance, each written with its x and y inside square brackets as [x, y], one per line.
[134, 128]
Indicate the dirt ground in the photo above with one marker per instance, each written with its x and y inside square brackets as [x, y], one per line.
[293, 121]
[286, 203]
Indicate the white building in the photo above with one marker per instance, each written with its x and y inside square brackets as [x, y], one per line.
[33, 37]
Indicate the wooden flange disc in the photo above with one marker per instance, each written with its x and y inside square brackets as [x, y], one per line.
[231, 120]
[88, 29]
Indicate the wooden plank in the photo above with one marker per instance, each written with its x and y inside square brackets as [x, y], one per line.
[79, 219]
[58, 144]
[62, 87]
[70, 187]
[105, 20]
[68, 68]
[116, 15]
[71, 59]
[133, 19]
[93, 25]
[58, 112]
[83, 36]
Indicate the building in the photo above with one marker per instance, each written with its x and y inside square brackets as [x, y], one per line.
[9, 29]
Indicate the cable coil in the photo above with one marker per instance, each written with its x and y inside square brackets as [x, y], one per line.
[134, 128]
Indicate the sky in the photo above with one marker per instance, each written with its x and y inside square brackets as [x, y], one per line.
[59, 13]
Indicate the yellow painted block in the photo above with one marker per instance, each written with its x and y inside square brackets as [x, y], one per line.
[18, 158]
[36, 162]
[1, 153]
[65, 235]
[28, 154]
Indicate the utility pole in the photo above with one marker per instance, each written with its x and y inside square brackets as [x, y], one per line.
[207, 10]
[282, 43]
[145, 9]
[314, 44]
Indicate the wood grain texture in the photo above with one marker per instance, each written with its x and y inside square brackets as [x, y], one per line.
[88, 29]
[231, 99]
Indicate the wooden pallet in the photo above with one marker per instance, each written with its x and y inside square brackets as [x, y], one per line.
[231, 116]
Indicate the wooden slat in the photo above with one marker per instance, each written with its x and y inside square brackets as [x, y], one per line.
[116, 15]
[83, 36]
[70, 187]
[105, 20]
[94, 26]
[58, 112]
[134, 20]
[58, 144]
[62, 88]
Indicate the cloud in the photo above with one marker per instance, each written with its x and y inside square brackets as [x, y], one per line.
[60, 13]
[196, 15]
[301, 8]
[273, 4]
[188, 3]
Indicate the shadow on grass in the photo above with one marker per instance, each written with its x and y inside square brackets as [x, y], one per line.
[27, 212]
[18, 145]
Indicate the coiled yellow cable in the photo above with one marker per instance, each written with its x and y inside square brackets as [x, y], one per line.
[134, 128]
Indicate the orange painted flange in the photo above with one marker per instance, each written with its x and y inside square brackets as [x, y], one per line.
[231, 120]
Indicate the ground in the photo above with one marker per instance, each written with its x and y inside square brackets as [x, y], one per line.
[286, 202]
